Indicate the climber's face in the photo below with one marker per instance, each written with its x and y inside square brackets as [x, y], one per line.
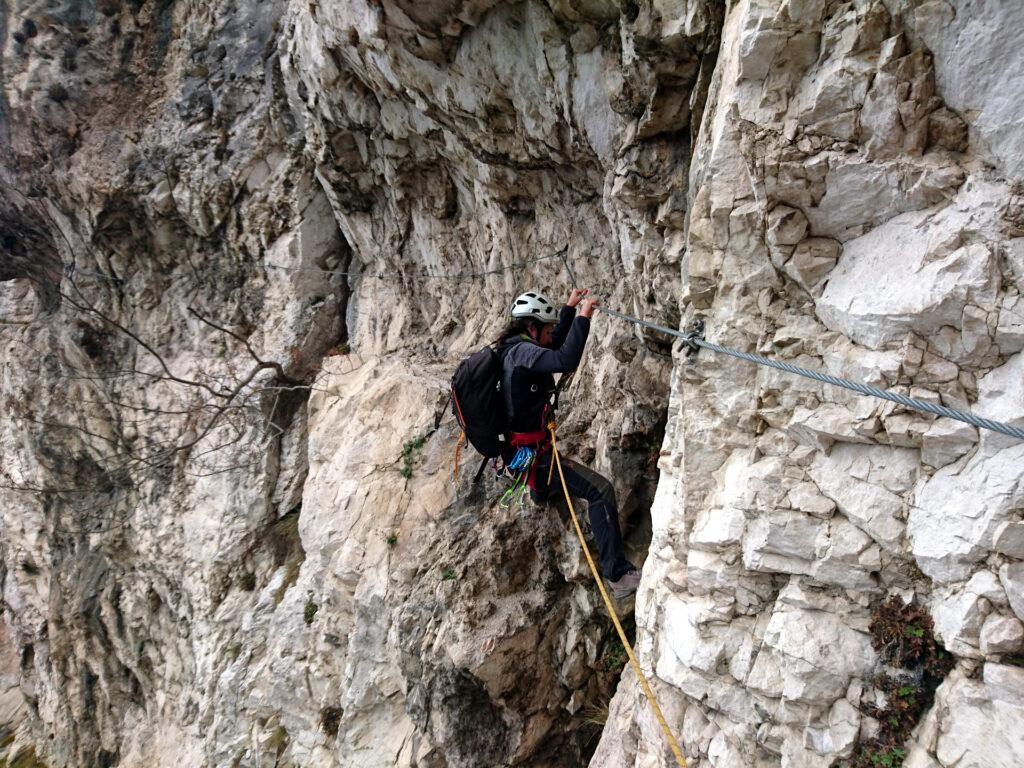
[543, 334]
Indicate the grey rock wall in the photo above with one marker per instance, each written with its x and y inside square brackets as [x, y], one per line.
[244, 246]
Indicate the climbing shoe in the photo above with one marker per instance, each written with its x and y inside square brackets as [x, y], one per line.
[625, 585]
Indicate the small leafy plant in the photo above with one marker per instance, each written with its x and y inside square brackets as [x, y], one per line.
[615, 657]
[409, 450]
[448, 574]
[903, 636]
[310, 609]
[890, 758]
[330, 719]
[391, 539]
[340, 349]
[247, 581]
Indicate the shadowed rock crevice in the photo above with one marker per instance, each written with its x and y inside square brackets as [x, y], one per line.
[27, 250]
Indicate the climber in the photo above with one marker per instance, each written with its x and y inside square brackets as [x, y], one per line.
[537, 344]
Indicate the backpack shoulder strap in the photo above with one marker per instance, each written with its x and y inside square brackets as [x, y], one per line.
[508, 345]
[479, 472]
[504, 348]
[440, 414]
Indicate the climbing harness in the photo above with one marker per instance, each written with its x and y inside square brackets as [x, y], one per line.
[523, 465]
[695, 341]
[673, 744]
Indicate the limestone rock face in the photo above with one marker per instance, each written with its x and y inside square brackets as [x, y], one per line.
[243, 246]
[834, 123]
[980, 720]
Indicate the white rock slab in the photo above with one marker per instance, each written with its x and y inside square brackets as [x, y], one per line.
[957, 511]
[1009, 335]
[807, 498]
[840, 735]
[784, 533]
[1011, 576]
[867, 483]
[685, 642]
[860, 194]
[1001, 398]
[983, 721]
[721, 524]
[975, 85]
[946, 440]
[1009, 540]
[812, 656]
[958, 617]
[894, 279]
[829, 423]
[1001, 634]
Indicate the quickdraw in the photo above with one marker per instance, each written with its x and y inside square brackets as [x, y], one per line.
[520, 468]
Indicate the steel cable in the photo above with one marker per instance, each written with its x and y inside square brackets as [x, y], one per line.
[696, 339]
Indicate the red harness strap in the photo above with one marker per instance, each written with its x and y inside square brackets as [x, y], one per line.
[540, 441]
[519, 439]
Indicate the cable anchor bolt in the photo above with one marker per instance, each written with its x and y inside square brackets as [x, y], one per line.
[692, 339]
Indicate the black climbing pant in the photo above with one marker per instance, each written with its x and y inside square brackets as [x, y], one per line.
[597, 491]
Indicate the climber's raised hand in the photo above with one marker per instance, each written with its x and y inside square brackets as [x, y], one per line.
[576, 296]
[588, 307]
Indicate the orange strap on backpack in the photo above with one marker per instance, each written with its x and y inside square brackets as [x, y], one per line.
[458, 452]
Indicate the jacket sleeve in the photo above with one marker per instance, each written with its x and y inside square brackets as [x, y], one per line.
[561, 332]
[566, 358]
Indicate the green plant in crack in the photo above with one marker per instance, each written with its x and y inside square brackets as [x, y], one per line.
[594, 715]
[903, 636]
[286, 547]
[310, 609]
[890, 758]
[24, 759]
[247, 581]
[409, 451]
[330, 719]
[615, 656]
[391, 539]
[449, 574]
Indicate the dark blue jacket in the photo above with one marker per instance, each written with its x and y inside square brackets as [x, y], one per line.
[528, 380]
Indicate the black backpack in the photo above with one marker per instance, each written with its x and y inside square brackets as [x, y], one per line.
[478, 403]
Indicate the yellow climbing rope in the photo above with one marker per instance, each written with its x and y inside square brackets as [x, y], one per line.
[673, 744]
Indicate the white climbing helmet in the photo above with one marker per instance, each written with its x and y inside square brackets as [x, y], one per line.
[534, 306]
